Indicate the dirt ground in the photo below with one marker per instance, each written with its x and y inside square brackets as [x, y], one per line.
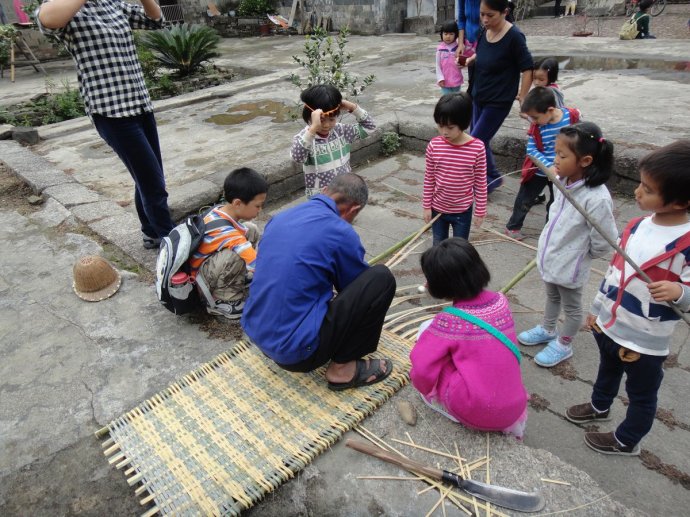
[671, 24]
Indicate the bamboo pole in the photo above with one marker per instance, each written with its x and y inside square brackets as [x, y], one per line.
[399, 245]
[552, 177]
[529, 267]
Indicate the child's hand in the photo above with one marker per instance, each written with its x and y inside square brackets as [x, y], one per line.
[315, 126]
[349, 106]
[427, 215]
[665, 291]
[442, 83]
[590, 321]
[478, 222]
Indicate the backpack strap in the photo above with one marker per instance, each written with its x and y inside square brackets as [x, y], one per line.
[486, 326]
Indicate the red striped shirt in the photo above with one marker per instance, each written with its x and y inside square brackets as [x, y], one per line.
[455, 177]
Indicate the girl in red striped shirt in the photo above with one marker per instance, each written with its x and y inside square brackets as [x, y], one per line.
[455, 175]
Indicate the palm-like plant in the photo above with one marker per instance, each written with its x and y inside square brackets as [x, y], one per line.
[183, 47]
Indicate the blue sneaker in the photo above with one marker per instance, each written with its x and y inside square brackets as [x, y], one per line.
[552, 354]
[536, 336]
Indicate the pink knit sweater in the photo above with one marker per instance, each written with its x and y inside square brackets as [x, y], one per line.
[471, 373]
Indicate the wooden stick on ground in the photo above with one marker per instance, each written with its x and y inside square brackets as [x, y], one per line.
[598, 228]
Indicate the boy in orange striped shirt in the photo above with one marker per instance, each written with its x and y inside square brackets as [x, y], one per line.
[226, 256]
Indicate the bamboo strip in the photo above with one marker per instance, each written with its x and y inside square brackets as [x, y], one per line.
[412, 239]
[402, 255]
[107, 443]
[111, 450]
[129, 471]
[392, 478]
[401, 299]
[401, 244]
[117, 458]
[555, 481]
[123, 463]
[568, 510]
[444, 493]
[396, 316]
[427, 449]
[146, 500]
[153, 511]
[513, 281]
[398, 328]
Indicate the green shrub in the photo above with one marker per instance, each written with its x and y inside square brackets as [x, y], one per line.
[182, 48]
[390, 142]
[325, 61]
[255, 7]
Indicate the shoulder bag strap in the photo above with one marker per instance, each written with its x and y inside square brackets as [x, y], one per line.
[486, 326]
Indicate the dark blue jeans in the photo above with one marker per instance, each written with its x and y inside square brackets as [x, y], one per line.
[643, 378]
[135, 140]
[486, 121]
[459, 222]
[526, 198]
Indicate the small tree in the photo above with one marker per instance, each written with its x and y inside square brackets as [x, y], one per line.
[325, 60]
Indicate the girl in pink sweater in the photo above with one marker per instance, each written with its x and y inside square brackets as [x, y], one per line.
[462, 367]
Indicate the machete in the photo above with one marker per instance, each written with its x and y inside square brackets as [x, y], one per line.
[500, 496]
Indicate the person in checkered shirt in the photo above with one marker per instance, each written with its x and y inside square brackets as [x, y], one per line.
[98, 35]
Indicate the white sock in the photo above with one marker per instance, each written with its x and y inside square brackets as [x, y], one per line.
[562, 347]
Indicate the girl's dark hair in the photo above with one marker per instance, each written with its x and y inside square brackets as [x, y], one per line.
[450, 26]
[585, 139]
[320, 96]
[646, 4]
[244, 184]
[550, 66]
[496, 5]
[454, 109]
[668, 168]
[454, 270]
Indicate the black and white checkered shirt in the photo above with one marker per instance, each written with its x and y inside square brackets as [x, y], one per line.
[99, 37]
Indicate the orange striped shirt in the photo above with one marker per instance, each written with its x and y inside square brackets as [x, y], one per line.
[233, 236]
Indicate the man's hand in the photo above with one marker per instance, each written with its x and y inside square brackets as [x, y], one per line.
[665, 291]
[460, 49]
[427, 215]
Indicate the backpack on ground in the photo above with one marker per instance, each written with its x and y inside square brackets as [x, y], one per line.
[629, 28]
[173, 257]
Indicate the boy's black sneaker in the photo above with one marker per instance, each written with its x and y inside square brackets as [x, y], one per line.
[151, 243]
[585, 413]
[606, 443]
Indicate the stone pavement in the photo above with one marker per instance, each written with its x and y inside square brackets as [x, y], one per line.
[69, 367]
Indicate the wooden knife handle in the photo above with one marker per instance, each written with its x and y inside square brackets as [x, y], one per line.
[395, 459]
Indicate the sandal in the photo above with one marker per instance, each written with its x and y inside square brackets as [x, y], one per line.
[364, 368]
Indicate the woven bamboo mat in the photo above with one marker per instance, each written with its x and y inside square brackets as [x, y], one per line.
[228, 433]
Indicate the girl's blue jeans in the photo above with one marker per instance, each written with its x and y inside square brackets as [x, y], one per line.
[135, 141]
[459, 222]
[486, 121]
[643, 379]
[454, 89]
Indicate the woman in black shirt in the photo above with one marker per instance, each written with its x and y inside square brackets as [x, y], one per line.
[502, 59]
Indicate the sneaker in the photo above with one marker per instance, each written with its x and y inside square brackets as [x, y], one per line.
[606, 443]
[585, 413]
[436, 406]
[151, 243]
[536, 336]
[552, 354]
[514, 234]
[540, 199]
[231, 310]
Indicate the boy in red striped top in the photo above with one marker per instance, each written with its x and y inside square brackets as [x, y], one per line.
[455, 175]
[226, 256]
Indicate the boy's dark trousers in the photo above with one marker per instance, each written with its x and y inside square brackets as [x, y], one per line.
[643, 378]
[526, 199]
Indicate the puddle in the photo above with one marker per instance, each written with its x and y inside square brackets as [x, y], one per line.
[247, 111]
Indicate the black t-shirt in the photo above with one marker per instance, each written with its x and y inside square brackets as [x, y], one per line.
[498, 67]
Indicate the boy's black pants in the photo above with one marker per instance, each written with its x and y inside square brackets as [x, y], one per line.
[526, 198]
[643, 378]
[353, 322]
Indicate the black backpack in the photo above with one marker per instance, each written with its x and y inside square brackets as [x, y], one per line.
[173, 256]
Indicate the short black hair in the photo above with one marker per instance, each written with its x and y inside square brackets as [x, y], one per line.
[669, 168]
[645, 4]
[454, 270]
[496, 5]
[325, 97]
[550, 66]
[539, 99]
[450, 26]
[454, 109]
[585, 139]
[244, 184]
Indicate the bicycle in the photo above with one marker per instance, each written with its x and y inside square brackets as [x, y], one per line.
[657, 8]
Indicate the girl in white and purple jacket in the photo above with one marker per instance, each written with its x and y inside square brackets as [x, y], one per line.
[568, 242]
